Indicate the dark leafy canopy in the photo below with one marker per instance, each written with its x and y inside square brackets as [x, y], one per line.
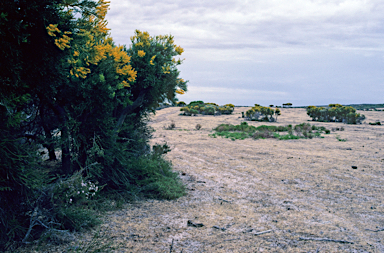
[66, 86]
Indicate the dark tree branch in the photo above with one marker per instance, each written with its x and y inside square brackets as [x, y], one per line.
[129, 109]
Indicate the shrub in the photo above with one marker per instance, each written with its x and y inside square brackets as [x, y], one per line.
[197, 107]
[194, 111]
[181, 104]
[194, 103]
[170, 126]
[244, 130]
[335, 113]
[159, 150]
[198, 127]
[209, 110]
[261, 113]
[375, 123]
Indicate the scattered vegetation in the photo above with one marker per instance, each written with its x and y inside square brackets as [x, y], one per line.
[261, 113]
[170, 126]
[243, 131]
[368, 107]
[198, 127]
[181, 104]
[334, 129]
[377, 123]
[340, 139]
[100, 242]
[335, 113]
[199, 107]
[287, 105]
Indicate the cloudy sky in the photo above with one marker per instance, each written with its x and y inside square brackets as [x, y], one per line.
[306, 52]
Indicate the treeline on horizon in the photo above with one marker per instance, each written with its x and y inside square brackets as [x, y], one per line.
[290, 105]
[73, 110]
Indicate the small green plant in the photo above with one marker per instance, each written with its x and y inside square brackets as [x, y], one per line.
[170, 126]
[159, 149]
[375, 123]
[340, 139]
[100, 242]
[261, 113]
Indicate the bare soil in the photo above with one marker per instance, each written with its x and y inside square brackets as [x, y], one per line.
[264, 195]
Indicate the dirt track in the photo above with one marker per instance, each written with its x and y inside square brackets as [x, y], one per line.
[295, 190]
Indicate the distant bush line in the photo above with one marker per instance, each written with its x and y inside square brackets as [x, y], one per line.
[199, 107]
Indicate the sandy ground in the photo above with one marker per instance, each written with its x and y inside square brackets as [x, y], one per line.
[302, 195]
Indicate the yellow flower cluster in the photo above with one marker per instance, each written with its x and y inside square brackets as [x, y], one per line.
[141, 53]
[179, 50]
[152, 59]
[102, 9]
[180, 91]
[52, 29]
[141, 39]
[139, 44]
[166, 70]
[62, 42]
[80, 72]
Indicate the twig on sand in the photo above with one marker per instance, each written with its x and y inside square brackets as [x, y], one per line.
[171, 248]
[380, 229]
[263, 232]
[232, 239]
[323, 239]
[225, 200]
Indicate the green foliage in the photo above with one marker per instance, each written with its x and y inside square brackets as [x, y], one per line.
[159, 150]
[261, 113]
[66, 86]
[377, 123]
[335, 113]
[367, 107]
[100, 242]
[209, 110]
[244, 130]
[199, 107]
[340, 139]
[181, 103]
[194, 103]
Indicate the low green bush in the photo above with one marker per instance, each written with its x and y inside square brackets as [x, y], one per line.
[262, 113]
[335, 113]
[199, 107]
[243, 131]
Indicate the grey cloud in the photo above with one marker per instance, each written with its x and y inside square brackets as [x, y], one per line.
[291, 46]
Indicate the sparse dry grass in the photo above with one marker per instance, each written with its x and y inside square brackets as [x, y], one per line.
[302, 188]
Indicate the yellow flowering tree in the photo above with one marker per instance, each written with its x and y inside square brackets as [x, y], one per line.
[157, 81]
[64, 84]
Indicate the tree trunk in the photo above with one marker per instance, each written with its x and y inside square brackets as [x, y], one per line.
[48, 135]
[65, 142]
[128, 110]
